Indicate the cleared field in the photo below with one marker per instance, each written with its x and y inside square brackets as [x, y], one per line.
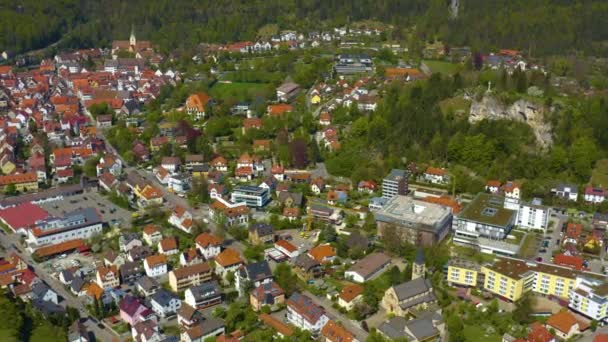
[443, 67]
[241, 91]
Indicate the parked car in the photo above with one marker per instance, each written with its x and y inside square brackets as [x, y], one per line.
[539, 259]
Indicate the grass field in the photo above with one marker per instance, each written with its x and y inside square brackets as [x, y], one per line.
[528, 249]
[455, 104]
[443, 67]
[477, 334]
[241, 91]
[7, 335]
[599, 175]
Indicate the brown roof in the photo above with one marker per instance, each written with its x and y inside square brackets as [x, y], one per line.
[59, 248]
[336, 333]
[562, 321]
[351, 292]
[168, 244]
[228, 257]
[517, 269]
[187, 271]
[321, 252]
[206, 239]
[156, 260]
[94, 290]
[277, 325]
[29, 177]
[150, 229]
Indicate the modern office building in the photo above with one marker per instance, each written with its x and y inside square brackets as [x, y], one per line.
[396, 183]
[417, 222]
[252, 196]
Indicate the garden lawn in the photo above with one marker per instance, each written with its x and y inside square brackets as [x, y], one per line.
[445, 68]
[475, 333]
[8, 335]
[240, 91]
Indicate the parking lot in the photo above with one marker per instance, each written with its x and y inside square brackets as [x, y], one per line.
[110, 213]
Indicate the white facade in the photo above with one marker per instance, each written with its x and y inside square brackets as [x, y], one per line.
[58, 236]
[301, 322]
[156, 271]
[533, 217]
[354, 276]
[210, 251]
[166, 310]
[587, 301]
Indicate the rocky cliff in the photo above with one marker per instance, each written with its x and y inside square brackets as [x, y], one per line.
[522, 110]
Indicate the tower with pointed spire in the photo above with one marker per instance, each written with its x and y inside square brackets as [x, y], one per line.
[132, 39]
[418, 267]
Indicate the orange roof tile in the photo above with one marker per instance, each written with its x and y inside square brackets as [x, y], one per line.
[228, 257]
[336, 333]
[351, 292]
[156, 260]
[277, 325]
[562, 321]
[319, 253]
[168, 244]
[206, 239]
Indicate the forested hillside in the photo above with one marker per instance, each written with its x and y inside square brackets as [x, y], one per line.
[570, 24]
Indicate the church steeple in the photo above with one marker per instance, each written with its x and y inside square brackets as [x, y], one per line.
[132, 39]
[418, 267]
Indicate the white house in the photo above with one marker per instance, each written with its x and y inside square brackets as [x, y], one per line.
[155, 265]
[306, 315]
[181, 219]
[209, 245]
[594, 195]
[165, 303]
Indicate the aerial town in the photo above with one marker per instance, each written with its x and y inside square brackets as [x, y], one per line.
[235, 195]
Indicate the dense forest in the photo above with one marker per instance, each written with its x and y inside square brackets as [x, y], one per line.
[568, 25]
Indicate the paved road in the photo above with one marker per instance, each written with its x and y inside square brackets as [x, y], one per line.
[552, 238]
[352, 326]
[67, 298]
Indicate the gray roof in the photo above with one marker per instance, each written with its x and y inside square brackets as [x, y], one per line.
[412, 288]
[40, 289]
[147, 283]
[77, 284]
[211, 324]
[47, 308]
[305, 262]
[256, 271]
[163, 297]
[131, 268]
[418, 329]
[209, 289]
[263, 229]
[419, 256]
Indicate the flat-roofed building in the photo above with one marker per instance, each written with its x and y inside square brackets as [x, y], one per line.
[252, 196]
[395, 183]
[417, 222]
[78, 224]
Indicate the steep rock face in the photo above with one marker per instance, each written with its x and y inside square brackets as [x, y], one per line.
[522, 110]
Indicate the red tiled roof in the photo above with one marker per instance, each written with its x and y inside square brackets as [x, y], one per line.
[277, 325]
[156, 260]
[319, 253]
[279, 109]
[336, 333]
[228, 257]
[351, 292]
[569, 260]
[574, 230]
[29, 177]
[562, 321]
[538, 333]
[59, 248]
[23, 215]
[206, 239]
[286, 245]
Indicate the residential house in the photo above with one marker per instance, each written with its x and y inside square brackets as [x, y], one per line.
[165, 303]
[109, 163]
[152, 235]
[564, 324]
[220, 164]
[282, 330]
[186, 276]
[196, 105]
[204, 295]
[307, 268]
[317, 185]
[566, 191]
[131, 271]
[290, 199]
[268, 294]
[146, 331]
[111, 257]
[334, 332]
[323, 253]
[168, 246]
[427, 328]
[228, 261]
[208, 328]
[42, 292]
[291, 214]
[155, 265]
[127, 241]
[133, 311]
[594, 194]
[147, 286]
[278, 172]
[512, 190]
[436, 175]
[139, 253]
[303, 313]
[261, 233]
[287, 248]
[182, 219]
[367, 186]
[256, 273]
[188, 316]
[107, 277]
[190, 257]
[493, 186]
[209, 245]
[349, 296]
[171, 164]
[194, 160]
